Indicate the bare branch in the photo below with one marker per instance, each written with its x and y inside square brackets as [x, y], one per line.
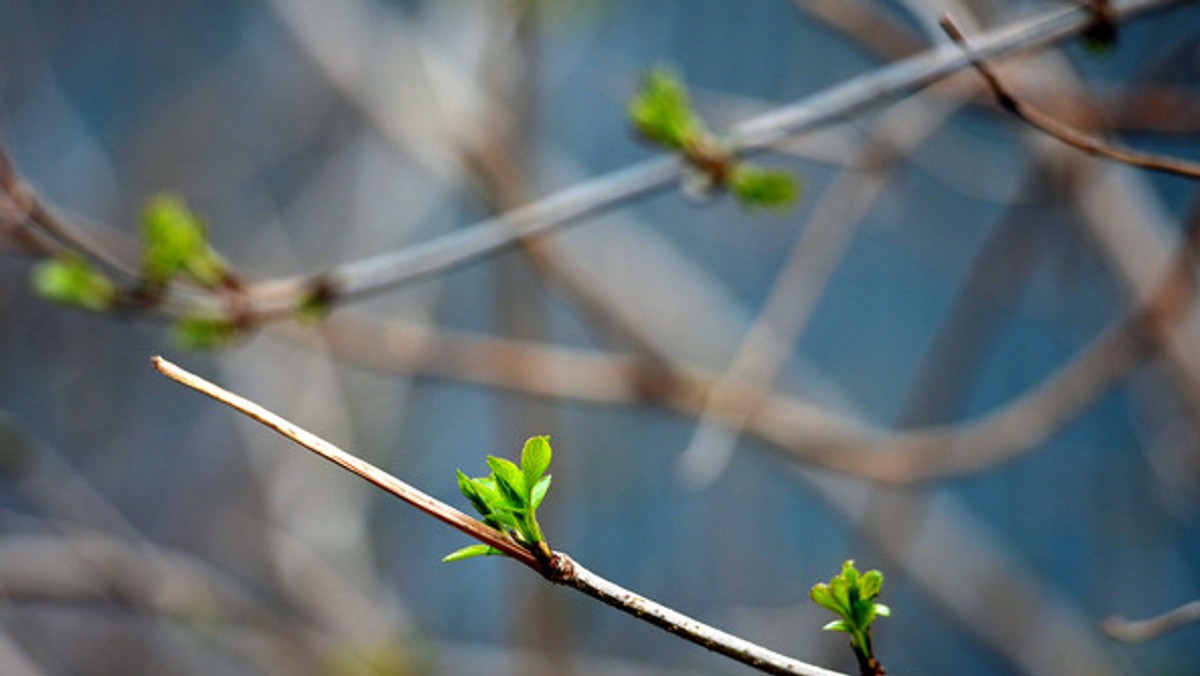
[1135, 631]
[428, 504]
[868, 24]
[1063, 132]
[575, 575]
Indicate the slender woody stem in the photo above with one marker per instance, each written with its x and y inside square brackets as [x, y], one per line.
[426, 503]
[573, 575]
[1134, 631]
[558, 568]
[1069, 135]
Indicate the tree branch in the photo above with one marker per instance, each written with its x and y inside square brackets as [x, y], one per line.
[431, 506]
[1069, 135]
[560, 568]
[789, 305]
[1135, 631]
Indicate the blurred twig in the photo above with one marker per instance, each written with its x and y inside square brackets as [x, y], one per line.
[800, 284]
[1063, 132]
[868, 24]
[1138, 107]
[1000, 272]
[798, 429]
[84, 568]
[1135, 631]
[30, 221]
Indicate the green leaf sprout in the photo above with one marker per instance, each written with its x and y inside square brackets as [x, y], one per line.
[851, 596]
[471, 552]
[508, 498]
[757, 187]
[662, 112]
[71, 280]
[205, 333]
[175, 242]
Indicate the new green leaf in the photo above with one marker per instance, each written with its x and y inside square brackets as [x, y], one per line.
[175, 242]
[851, 595]
[70, 280]
[535, 459]
[508, 498]
[205, 333]
[509, 480]
[662, 112]
[470, 553]
[539, 491]
[756, 187]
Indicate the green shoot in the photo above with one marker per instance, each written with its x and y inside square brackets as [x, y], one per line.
[175, 242]
[205, 333]
[662, 112]
[508, 498]
[757, 187]
[851, 596]
[71, 280]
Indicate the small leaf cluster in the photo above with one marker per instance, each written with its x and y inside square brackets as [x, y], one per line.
[662, 113]
[508, 498]
[71, 280]
[768, 188]
[175, 244]
[851, 596]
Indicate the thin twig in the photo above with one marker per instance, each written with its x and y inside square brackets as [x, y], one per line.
[560, 569]
[1144, 107]
[644, 609]
[868, 24]
[798, 429]
[1135, 631]
[816, 253]
[86, 568]
[20, 206]
[430, 505]
[1063, 132]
